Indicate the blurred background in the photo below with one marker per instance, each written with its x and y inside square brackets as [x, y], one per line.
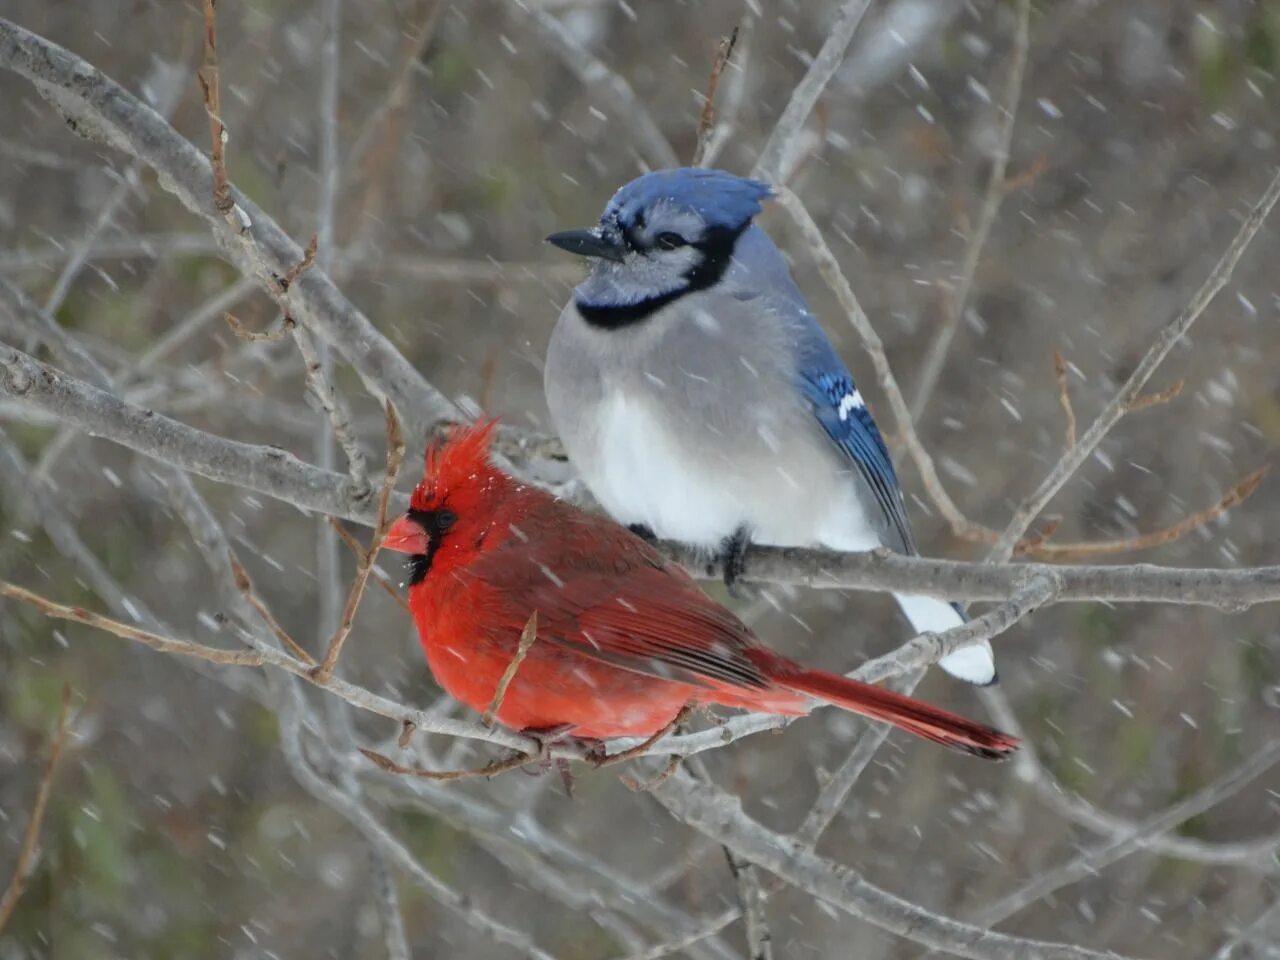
[1145, 131]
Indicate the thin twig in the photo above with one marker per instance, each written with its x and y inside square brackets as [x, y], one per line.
[306, 263]
[270, 335]
[997, 190]
[684, 941]
[155, 641]
[415, 43]
[357, 550]
[1089, 862]
[395, 458]
[649, 742]
[418, 267]
[734, 88]
[903, 421]
[244, 584]
[107, 214]
[1239, 492]
[103, 110]
[1258, 853]
[717, 815]
[962, 526]
[659, 778]
[27, 850]
[1071, 461]
[599, 80]
[750, 888]
[1156, 399]
[908, 661]
[1269, 918]
[351, 807]
[320, 383]
[209, 83]
[929, 648]
[546, 852]
[491, 769]
[751, 899]
[707, 119]
[264, 655]
[314, 356]
[773, 163]
[386, 898]
[1062, 372]
[831, 798]
[527, 638]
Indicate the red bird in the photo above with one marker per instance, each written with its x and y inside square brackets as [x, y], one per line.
[624, 636]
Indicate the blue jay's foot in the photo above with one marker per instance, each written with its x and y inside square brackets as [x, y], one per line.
[643, 531]
[733, 560]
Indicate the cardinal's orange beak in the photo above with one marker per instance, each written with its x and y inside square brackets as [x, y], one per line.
[406, 536]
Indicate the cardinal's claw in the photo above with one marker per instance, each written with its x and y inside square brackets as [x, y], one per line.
[547, 739]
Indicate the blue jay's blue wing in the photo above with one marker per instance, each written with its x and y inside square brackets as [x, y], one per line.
[837, 405]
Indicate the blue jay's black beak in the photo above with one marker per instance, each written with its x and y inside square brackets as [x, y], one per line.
[589, 243]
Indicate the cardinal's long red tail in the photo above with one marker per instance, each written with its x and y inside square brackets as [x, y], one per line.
[914, 716]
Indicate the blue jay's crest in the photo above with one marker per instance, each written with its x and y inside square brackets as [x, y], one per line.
[719, 199]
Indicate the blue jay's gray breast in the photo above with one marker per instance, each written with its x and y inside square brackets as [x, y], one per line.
[689, 423]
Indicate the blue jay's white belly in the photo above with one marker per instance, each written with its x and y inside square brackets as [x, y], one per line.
[768, 478]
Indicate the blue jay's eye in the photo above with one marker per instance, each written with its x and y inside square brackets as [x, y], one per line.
[669, 241]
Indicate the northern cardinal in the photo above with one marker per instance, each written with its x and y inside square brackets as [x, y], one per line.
[625, 639]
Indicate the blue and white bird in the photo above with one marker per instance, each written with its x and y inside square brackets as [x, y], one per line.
[699, 398]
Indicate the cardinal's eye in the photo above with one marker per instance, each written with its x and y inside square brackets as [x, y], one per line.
[670, 241]
[444, 520]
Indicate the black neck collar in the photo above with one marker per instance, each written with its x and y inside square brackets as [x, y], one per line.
[717, 252]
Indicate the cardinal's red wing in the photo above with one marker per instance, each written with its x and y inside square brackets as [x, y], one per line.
[604, 594]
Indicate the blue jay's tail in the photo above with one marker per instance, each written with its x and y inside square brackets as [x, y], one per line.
[975, 664]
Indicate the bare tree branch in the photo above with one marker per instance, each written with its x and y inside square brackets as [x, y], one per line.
[28, 850]
[270, 657]
[528, 637]
[1116, 408]
[386, 897]
[719, 816]
[1089, 862]
[839, 284]
[382, 840]
[1063, 374]
[404, 265]
[726, 117]
[1240, 491]
[103, 110]
[629, 113]
[277, 473]
[342, 628]
[774, 161]
[1266, 923]
[1007, 111]
[259, 468]
[707, 119]
[907, 661]
[518, 829]
[1259, 853]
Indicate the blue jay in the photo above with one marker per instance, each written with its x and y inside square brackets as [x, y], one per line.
[700, 400]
